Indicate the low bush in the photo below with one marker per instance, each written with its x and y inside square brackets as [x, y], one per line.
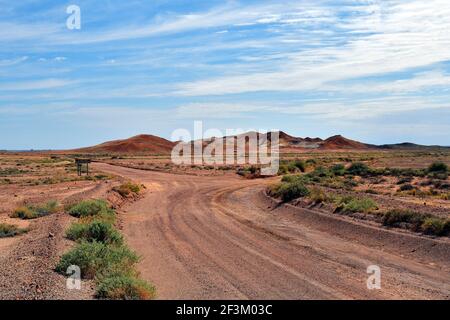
[23, 213]
[434, 226]
[319, 175]
[128, 188]
[126, 287]
[406, 187]
[90, 208]
[404, 180]
[300, 165]
[317, 195]
[288, 191]
[438, 167]
[417, 221]
[358, 169]
[100, 231]
[8, 230]
[283, 169]
[404, 172]
[349, 183]
[438, 175]
[46, 209]
[396, 217]
[33, 212]
[338, 169]
[102, 255]
[97, 259]
[295, 178]
[350, 204]
[321, 172]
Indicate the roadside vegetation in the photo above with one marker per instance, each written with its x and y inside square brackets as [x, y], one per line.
[417, 221]
[309, 187]
[35, 211]
[350, 204]
[102, 254]
[289, 190]
[128, 188]
[427, 182]
[9, 230]
[42, 170]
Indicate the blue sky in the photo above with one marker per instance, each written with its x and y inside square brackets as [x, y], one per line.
[375, 71]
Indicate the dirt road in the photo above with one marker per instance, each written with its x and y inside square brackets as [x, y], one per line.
[221, 238]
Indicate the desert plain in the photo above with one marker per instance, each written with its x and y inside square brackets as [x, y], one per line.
[225, 232]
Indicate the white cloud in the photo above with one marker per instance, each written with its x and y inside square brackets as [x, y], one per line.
[34, 85]
[322, 109]
[11, 62]
[389, 37]
[419, 82]
[218, 110]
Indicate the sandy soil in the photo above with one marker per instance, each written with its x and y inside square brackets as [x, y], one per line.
[27, 261]
[221, 238]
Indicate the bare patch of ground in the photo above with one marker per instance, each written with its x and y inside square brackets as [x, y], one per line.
[27, 261]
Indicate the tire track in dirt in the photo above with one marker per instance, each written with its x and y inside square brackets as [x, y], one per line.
[216, 238]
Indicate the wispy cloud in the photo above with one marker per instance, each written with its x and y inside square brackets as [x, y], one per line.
[34, 85]
[389, 37]
[295, 63]
[11, 62]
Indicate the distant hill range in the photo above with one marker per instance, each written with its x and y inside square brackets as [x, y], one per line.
[150, 144]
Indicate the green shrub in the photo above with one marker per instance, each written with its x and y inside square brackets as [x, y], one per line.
[102, 255]
[349, 182]
[8, 230]
[350, 204]
[288, 178]
[438, 167]
[128, 188]
[33, 212]
[321, 172]
[288, 191]
[124, 287]
[46, 209]
[404, 180]
[24, 213]
[438, 175]
[294, 178]
[317, 195]
[406, 187]
[397, 216]
[434, 226]
[89, 208]
[358, 169]
[338, 169]
[97, 259]
[99, 231]
[283, 169]
[292, 167]
[300, 165]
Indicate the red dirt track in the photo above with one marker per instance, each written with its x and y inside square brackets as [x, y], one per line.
[221, 238]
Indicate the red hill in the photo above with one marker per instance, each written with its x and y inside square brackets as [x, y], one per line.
[339, 142]
[143, 143]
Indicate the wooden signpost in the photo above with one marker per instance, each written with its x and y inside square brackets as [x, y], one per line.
[80, 163]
